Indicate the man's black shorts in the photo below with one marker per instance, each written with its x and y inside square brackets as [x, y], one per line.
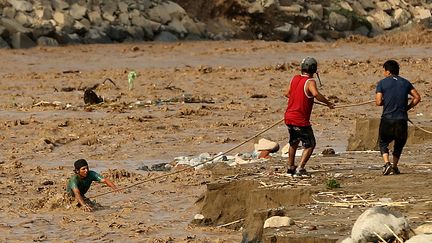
[303, 134]
[393, 130]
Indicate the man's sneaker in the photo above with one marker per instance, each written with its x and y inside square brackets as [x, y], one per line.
[387, 168]
[292, 170]
[396, 170]
[301, 173]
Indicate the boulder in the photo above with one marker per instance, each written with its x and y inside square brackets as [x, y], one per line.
[9, 12]
[293, 8]
[382, 19]
[43, 28]
[77, 11]
[109, 6]
[285, 31]
[47, 41]
[176, 27]
[123, 7]
[136, 32]
[358, 8]
[63, 19]
[422, 13]
[191, 27]
[3, 32]
[4, 44]
[278, 221]
[20, 5]
[95, 18]
[123, 19]
[346, 6]
[165, 36]
[424, 229]
[117, 33]
[109, 17]
[339, 22]
[44, 13]
[24, 19]
[423, 238]
[402, 16]
[374, 220]
[318, 10]
[384, 6]
[12, 26]
[21, 40]
[165, 12]
[59, 5]
[367, 4]
[96, 35]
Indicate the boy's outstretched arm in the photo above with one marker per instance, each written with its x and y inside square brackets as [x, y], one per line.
[80, 200]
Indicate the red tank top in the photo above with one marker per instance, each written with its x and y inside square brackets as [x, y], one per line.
[300, 104]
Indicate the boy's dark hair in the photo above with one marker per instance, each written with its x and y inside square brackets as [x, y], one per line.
[392, 66]
[80, 163]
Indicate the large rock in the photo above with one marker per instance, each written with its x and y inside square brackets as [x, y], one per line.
[165, 12]
[166, 36]
[424, 238]
[374, 220]
[20, 5]
[278, 221]
[13, 26]
[24, 19]
[44, 13]
[4, 44]
[96, 35]
[47, 41]
[9, 12]
[339, 22]
[63, 20]
[358, 8]
[21, 40]
[43, 28]
[192, 27]
[317, 9]
[402, 16]
[117, 33]
[177, 27]
[59, 5]
[367, 4]
[77, 11]
[382, 19]
[95, 18]
[384, 6]
[422, 13]
[424, 229]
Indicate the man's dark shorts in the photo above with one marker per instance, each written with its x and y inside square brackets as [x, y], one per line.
[303, 134]
[393, 130]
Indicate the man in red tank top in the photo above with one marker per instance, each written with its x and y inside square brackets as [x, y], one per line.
[301, 93]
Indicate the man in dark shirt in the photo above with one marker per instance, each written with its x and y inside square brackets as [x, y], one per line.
[392, 93]
[79, 183]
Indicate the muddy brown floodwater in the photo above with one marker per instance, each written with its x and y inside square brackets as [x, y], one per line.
[45, 127]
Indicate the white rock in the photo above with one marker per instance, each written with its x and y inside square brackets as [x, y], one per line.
[422, 13]
[199, 216]
[347, 240]
[385, 6]
[63, 19]
[346, 6]
[424, 238]
[373, 220]
[77, 11]
[382, 19]
[21, 5]
[278, 221]
[402, 16]
[424, 229]
[358, 8]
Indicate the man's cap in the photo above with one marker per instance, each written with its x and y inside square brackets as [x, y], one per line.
[309, 64]
[80, 163]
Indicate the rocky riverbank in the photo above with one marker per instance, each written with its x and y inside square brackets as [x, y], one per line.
[25, 24]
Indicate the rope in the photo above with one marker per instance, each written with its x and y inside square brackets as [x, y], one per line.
[349, 105]
[218, 155]
[422, 129]
[209, 160]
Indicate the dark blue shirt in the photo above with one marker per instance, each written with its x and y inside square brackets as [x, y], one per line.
[395, 90]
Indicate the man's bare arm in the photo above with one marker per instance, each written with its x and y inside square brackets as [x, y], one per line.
[415, 100]
[313, 90]
[379, 99]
